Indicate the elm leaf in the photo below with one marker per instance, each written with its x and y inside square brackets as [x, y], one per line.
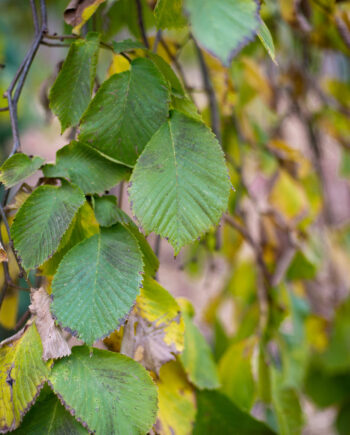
[42, 220]
[86, 168]
[49, 417]
[224, 27]
[108, 213]
[180, 186]
[17, 168]
[126, 111]
[97, 282]
[119, 396]
[71, 92]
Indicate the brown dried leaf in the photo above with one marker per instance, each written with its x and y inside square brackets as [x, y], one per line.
[54, 344]
[144, 341]
[79, 11]
[3, 254]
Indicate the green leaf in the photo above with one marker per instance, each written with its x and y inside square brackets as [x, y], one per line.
[224, 27]
[168, 73]
[218, 415]
[301, 268]
[97, 282]
[267, 41]
[17, 168]
[49, 417]
[236, 375]
[127, 110]
[85, 167]
[180, 185]
[168, 14]
[22, 374]
[286, 405]
[71, 92]
[197, 358]
[42, 220]
[109, 392]
[108, 213]
[126, 45]
[83, 225]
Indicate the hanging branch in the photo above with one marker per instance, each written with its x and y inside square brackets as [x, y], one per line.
[13, 94]
[209, 90]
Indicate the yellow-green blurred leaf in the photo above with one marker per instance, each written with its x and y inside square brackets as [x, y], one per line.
[235, 369]
[176, 401]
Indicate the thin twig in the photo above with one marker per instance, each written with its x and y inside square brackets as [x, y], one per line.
[4, 109]
[120, 194]
[175, 61]
[209, 89]
[141, 23]
[23, 319]
[53, 44]
[156, 41]
[35, 16]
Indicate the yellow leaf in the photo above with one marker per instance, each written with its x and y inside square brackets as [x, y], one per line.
[154, 333]
[288, 197]
[9, 309]
[22, 374]
[119, 64]
[158, 306]
[78, 12]
[176, 401]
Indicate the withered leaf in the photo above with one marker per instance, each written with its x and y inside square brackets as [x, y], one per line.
[79, 11]
[54, 344]
[154, 333]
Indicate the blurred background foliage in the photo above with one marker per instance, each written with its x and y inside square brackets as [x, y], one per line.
[277, 314]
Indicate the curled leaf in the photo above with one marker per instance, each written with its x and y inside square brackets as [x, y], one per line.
[154, 333]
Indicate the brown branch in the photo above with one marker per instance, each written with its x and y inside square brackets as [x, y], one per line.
[209, 90]
[141, 23]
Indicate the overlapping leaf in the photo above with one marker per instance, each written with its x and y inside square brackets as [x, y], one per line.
[108, 213]
[197, 358]
[42, 220]
[54, 344]
[17, 168]
[236, 375]
[108, 392]
[83, 225]
[78, 12]
[154, 333]
[168, 14]
[49, 417]
[22, 374]
[180, 186]
[86, 168]
[176, 401]
[224, 27]
[217, 414]
[97, 283]
[71, 92]
[126, 111]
